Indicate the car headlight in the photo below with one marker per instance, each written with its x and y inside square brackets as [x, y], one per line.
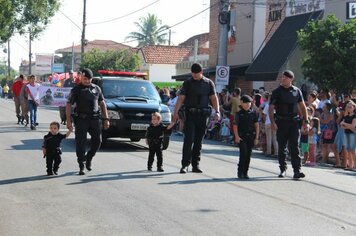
[114, 115]
[166, 117]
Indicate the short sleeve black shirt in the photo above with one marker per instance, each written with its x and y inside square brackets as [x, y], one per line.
[86, 99]
[245, 122]
[348, 119]
[52, 142]
[198, 92]
[286, 101]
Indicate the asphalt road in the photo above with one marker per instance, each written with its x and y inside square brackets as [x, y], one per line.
[119, 197]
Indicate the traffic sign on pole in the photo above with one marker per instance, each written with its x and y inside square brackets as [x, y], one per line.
[222, 75]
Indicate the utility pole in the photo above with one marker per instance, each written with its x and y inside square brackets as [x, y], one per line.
[223, 31]
[30, 54]
[8, 59]
[83, 30]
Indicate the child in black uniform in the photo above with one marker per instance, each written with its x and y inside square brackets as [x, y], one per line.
[246, 132]
[154, 140]
[51, 148]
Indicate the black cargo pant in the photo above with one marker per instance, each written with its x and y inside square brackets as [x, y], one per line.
[155, 147]
[194, 131]
[245, 146]
[52, 162]
[288, 133]
[82, 127]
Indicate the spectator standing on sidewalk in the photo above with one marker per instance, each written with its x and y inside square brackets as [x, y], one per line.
[6, 91]
[287, 100]
[16, 90]
[271, 137]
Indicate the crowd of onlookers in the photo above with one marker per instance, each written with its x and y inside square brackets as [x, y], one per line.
[332, 124]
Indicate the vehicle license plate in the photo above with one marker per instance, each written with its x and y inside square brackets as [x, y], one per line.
[139, 126]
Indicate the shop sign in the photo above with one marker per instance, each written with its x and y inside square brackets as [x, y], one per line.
[351, 10]
[298, 7]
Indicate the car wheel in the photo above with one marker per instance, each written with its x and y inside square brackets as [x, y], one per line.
[135, 139]
[165, 143]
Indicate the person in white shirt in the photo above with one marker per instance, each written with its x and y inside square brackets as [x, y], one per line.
[271, 137]
[33, 92]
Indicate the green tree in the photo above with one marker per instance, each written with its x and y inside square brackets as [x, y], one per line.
[330, 53]
[24, 16]
[124, 60]
[150, 31]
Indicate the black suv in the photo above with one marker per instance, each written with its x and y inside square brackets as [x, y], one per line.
[130, 102]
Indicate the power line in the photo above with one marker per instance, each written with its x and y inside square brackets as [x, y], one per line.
[70, 20]
[120, 17]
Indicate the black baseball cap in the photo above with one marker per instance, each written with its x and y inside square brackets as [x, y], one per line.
[288, 73]
[196, 68]
[87, 73]
[246, 99]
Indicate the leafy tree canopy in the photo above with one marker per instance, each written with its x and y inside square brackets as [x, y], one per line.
[23, 16]
[123, 60]
[150, 31]
[330, 53]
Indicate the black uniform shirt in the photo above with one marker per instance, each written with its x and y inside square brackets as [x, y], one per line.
[86, 99]
[197, 92]
[245, 121]
[155, 132]
[69, 83]
[52, 142]
[286, 101]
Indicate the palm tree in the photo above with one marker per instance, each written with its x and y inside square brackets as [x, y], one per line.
[149, 31]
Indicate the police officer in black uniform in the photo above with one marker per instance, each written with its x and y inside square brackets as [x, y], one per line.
[246, 132]
[287, 100]
[196, 94]
[87, 98]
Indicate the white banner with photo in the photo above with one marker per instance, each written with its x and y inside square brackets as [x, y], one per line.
[52, 95]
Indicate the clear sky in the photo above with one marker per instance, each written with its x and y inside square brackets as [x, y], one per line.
[61, 32]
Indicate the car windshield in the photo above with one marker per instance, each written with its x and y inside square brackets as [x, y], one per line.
[129, 88]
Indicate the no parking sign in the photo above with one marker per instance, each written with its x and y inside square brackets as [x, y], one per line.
[222, 75]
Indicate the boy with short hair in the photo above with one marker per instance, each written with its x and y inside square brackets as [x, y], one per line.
[51, 148]
[246, 132]
[154, 139]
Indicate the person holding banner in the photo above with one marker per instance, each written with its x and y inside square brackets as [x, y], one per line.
[68, 83]
[87, 98]
[33, 92]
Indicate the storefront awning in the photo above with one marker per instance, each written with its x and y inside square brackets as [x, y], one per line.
[235, 71]
[275, 53]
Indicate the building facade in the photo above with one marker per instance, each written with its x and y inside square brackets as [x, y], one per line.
[265, 37]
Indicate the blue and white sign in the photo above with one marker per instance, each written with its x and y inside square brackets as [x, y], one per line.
[222, 75]
[351, 10]
[58, 67]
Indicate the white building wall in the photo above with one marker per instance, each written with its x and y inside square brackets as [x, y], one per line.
[259, 26]
[259, 33]
[161, 72]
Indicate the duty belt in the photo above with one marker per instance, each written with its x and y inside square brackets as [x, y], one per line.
[290, 118]
[85, 115]
[199, 110]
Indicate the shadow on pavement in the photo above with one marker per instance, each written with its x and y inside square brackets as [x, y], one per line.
[225, 180]
[33, 178]
[141, 174]
[29, 144]
[113, 145]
